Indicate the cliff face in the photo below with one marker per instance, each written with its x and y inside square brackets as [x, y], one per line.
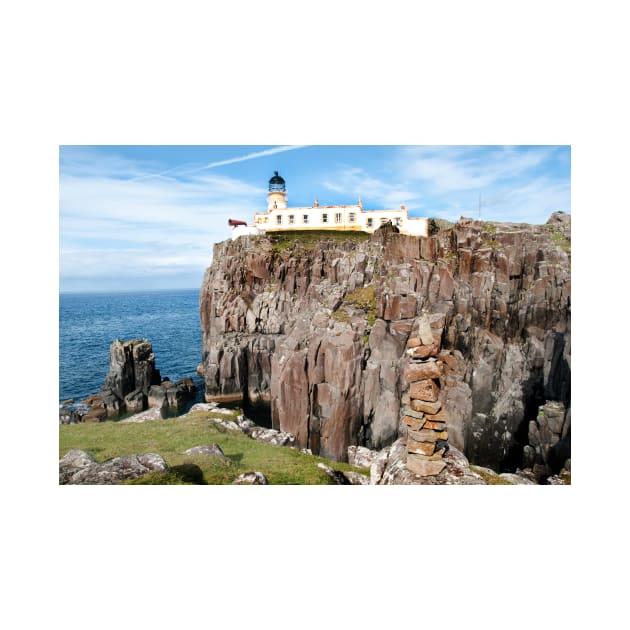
[320, 331]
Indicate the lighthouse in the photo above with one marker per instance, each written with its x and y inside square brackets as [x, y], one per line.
[277, 195]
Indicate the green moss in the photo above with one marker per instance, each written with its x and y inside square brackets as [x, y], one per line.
[561, 241]
[341, 315]
[493, 244]
[491, 479]
[489, 227]
[169, 438]
[364, 298]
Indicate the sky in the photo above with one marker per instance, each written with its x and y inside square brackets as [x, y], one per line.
[146, 217]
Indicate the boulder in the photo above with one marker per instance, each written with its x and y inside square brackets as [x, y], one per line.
[213, 450]
[78, 467]
[361, 456]
[357, 479]
[271, 436]
[251, 479]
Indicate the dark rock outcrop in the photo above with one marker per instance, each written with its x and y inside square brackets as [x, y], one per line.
[323, 332]
[133, 383]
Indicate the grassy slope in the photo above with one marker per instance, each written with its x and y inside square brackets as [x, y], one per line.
[169, 438]
[310, 238]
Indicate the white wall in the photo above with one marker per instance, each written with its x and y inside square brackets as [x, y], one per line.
[268, 221]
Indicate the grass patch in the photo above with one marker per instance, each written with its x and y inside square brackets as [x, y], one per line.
[438, 225]
[364, 298]
[492, 244]
[489, 227]
[561, 241]
[341, 316]
[491, 479]
[310, 238]
[169, 438]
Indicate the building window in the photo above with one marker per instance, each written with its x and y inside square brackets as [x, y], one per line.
[279, 219]
[305, 218]
[369, 222]
[351, 217]
[324, 218]
[398, 221]
[383, 221]
[337, 217]
[291, 219]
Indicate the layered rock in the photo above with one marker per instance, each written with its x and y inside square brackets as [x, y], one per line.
[324, 333]
[549, 440]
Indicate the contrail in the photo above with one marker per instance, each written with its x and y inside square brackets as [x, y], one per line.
[250, 156]
[242, 158]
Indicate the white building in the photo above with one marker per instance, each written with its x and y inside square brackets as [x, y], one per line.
[280, 216]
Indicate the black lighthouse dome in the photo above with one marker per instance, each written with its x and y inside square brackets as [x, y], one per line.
[276, 183]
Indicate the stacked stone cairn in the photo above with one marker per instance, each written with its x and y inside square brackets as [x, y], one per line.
[422, 412]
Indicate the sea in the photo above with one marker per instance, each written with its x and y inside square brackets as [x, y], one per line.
[90, 322]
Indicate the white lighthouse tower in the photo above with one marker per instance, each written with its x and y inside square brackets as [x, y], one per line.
[277, 195]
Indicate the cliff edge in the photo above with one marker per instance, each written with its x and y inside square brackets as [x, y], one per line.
[323, 330]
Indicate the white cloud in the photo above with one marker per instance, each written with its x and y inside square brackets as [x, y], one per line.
[447, 169]
[355, 181]
[111, 226]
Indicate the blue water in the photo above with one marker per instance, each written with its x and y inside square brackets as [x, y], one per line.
[89, 322]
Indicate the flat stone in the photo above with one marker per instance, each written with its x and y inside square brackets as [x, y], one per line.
[424, 467]
[425, 390]
[422, 448]
[436, 426]
[420, 371]
[423, 435]
[426, 407]
[408, 411]
[424, 352]
[440, 416]
[415, 424]
[413, 342]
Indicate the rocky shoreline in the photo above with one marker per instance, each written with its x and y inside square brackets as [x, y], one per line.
[388, 466]
[133, 384]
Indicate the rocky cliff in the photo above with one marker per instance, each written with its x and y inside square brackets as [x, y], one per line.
[324, 330]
